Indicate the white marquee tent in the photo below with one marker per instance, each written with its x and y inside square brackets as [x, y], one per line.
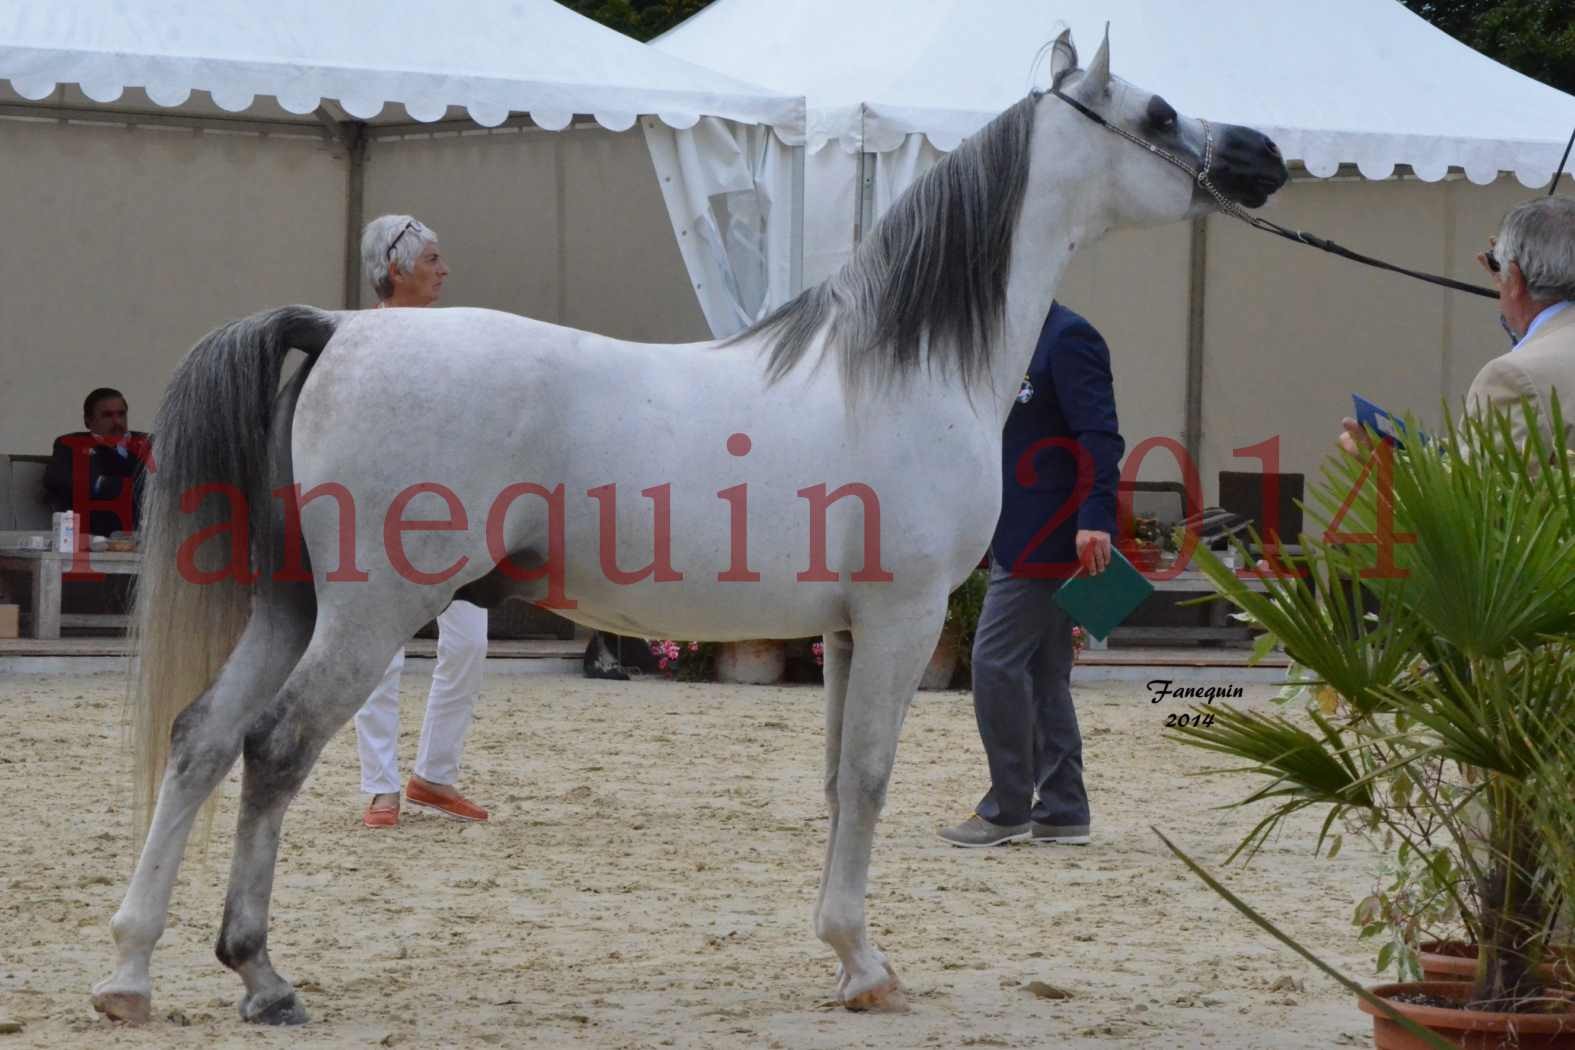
[170, 164]
[1408, 144]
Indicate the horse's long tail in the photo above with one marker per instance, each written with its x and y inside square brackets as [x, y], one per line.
[211, 467]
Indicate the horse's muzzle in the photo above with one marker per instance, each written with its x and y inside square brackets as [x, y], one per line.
[1247, 166]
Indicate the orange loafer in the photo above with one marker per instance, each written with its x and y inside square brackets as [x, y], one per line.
[385, 817]
[456, 807]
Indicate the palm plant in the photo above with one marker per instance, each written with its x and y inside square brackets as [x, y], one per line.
[1432, 715]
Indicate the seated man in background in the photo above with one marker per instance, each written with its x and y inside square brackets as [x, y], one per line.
[98, 472]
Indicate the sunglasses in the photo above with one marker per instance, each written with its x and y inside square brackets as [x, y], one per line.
[1491, 260]
[412, 225]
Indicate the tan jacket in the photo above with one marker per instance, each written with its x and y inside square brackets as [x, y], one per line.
[1540, 365]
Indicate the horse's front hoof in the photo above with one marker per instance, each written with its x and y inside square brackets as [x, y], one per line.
[885, 997]
[132, 1007]
[877, 989]
[281, 1010]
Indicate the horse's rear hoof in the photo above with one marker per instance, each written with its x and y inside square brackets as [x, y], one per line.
[130, 1007]
[286, 1010]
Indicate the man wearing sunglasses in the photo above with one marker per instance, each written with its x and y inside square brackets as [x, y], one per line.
[1532, 263]
[402, 260]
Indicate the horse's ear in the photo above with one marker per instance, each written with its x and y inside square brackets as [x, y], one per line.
[1097, 76]
[1063, 56]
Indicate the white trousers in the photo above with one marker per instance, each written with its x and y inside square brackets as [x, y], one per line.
[456, 682]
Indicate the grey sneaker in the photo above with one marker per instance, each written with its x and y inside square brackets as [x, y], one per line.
[976, 832]
[1059, 834]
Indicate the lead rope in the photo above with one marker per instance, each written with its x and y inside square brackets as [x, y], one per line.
[1231, 208]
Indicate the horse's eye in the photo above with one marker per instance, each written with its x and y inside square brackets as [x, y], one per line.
[1160, 114]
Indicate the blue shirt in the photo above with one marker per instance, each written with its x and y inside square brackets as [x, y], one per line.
[1548, 314]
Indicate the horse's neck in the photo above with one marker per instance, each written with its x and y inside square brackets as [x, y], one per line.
[1058, 213]
[1037, 266]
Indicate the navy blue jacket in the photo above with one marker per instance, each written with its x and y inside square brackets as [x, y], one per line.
[1065, 413]
[108, 471]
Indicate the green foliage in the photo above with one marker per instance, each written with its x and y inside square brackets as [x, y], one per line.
[686, 661]
[1534, 37]
[641, 19]
[962, 613]
[1440, 727]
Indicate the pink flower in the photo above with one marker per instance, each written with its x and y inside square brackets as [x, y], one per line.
[662, 663]
[694, 647]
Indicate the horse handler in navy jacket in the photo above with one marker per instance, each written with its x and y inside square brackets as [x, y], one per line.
[1060, 456]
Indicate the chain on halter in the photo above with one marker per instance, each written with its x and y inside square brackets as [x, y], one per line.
[1200, 175]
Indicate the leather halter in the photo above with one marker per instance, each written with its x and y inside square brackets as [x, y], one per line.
[1200, 175]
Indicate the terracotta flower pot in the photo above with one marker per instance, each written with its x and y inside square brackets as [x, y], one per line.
[943, 663]
[751, 663]
[1454, 961]
[1468, 1029]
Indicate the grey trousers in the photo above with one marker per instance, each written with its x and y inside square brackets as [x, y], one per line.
[1022, 697]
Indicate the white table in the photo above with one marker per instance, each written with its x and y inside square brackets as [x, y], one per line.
[1195, 580]
[47, 569]
[1190, 581]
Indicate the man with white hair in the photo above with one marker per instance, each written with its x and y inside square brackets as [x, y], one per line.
[1532, 263]
[401, 258]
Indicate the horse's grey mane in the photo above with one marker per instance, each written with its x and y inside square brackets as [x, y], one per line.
[927, 286]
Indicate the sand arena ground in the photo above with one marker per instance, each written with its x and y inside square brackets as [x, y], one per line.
[647, 881]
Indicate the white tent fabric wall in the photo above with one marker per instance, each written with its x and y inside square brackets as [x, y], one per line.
[184, 75]
[492, 57]
[566, 226]
[1336, 82]
[834, 200]
[128, 244]
[729, 194]
[841, 204]
[123, 246]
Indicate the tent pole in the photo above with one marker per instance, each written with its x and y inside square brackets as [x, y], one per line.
[351, 134]
[560, 190]
[355, 210]
[858, 198]
[1196, 295]
[865, 201]
[796, 273]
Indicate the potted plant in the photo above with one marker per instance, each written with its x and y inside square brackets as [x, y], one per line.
[686, 661]
[1142, 540]
[1442, 721]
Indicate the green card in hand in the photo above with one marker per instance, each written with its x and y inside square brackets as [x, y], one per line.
[1100, 603]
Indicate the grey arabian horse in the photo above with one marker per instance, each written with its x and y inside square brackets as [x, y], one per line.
[833, 471]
